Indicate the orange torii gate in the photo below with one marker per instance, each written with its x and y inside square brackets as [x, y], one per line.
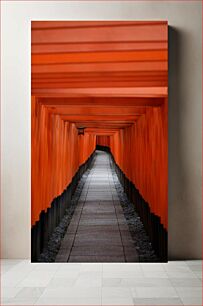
[110, 78]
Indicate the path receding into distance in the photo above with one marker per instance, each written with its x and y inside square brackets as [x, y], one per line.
[98, 231]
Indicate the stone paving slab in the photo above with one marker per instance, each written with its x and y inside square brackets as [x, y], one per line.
[111, 250]
[98, 210]
[99, 242]
[98, 216]
[99, 222]
[98, 228]
[98, 231]
[100, 202]
[94, 259]
[98, 235]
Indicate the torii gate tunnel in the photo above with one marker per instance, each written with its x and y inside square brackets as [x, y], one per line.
[99, 85]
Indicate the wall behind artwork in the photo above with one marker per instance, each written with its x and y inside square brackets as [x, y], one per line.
[185, 58]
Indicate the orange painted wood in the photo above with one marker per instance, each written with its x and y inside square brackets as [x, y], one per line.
[103, 92]
[57, 153]
[101, 33]
[111, 78]
[89, 24]
[96, 46]
[103, 140]
[141, 151]
[98, 84]
[101, 102]
[103, 67]
[150, 75]
[93, 110]
[99, 57]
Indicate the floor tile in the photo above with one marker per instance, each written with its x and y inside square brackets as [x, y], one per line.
[87, 267]
[117, 301]
[152, 267]
[9, 292]
[178, 274]
[67, 273]
[147, 282]
[116, 292]
[198, 274]
[192, 301]
[157, 301]
[73, 292]
[37, 279]
[196, 268]
[69, 301]
[156, 274]
[192, 262]
[61, 282]
[21, 301]
[186, 282]
[154, 292]
[189, 292]
[175, 268]
[30, 292]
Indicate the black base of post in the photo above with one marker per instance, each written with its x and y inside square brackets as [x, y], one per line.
[42, 230]
[152, 223]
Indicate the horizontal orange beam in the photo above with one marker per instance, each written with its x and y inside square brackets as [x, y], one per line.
[87, 24]
[100, 84]
[95, 47]
[102, 132]
[93, 111]
[101, 32]
[103, 92]
[99, 57]
[109, 118]
[138, 102]
[101, 67]
[99, 124]
[51, 79]
[98, 132]
[99, 74]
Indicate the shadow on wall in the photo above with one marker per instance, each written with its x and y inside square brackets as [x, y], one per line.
[184, 212]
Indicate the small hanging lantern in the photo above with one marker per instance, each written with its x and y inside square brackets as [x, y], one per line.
[81, 130]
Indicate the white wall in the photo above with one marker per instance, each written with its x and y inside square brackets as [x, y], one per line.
[184, 112]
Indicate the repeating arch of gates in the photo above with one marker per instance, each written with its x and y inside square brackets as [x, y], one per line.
[111, 79]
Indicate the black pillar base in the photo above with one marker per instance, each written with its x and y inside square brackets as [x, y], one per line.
[42, 230]
[157, 233]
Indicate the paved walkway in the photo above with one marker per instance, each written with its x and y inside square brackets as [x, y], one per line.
[98, 231]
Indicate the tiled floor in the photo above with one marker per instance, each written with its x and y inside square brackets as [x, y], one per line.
[98, 231]
[173, 283]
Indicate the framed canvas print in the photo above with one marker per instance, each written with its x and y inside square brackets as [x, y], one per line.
[99, 114]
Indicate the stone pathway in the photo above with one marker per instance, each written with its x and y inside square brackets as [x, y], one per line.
[98, 231]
